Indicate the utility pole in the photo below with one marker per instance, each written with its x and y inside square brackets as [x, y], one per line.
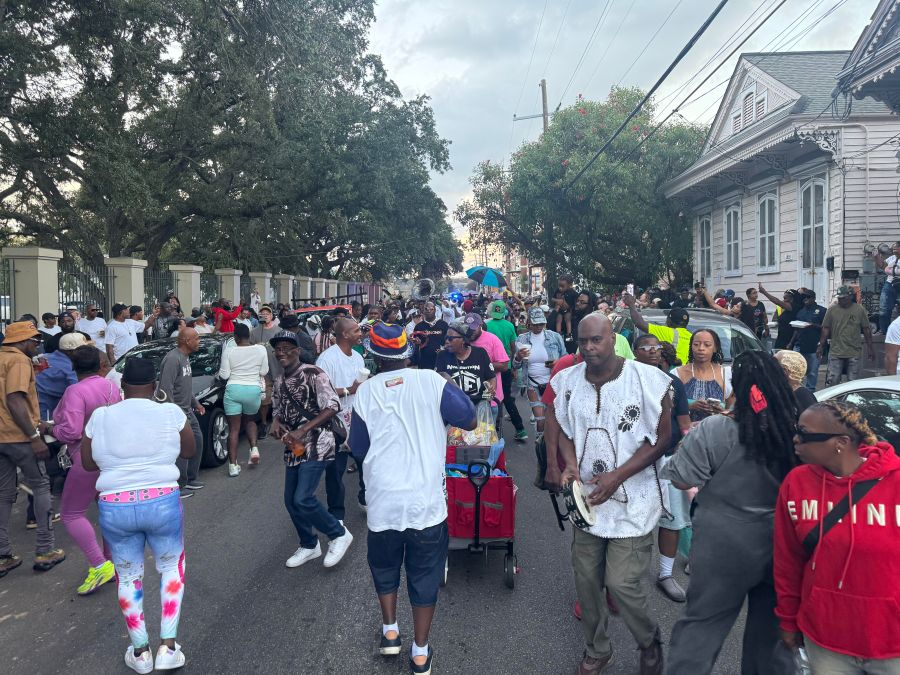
[546, 113]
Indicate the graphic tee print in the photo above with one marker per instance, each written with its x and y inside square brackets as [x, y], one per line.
[471, 374]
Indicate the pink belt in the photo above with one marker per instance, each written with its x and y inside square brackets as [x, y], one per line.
[131, 496]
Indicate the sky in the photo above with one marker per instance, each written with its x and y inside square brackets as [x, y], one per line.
[480, 61]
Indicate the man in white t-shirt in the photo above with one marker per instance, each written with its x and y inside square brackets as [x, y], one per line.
[49, 328]
[93, 325]
[889, 295]
[120, 333]
[397, 432]
[343, 366]
[892, 348]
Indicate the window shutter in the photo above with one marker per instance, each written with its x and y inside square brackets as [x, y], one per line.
[760, 107]
[748, 109]
[736, 124]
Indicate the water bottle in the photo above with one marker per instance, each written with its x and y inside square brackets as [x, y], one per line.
[801, 662]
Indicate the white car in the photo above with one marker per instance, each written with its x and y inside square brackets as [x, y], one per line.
[878, 399]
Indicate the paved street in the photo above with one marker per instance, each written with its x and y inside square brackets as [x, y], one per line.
[246, 612]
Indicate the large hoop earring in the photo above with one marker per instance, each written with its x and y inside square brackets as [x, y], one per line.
[165, 397]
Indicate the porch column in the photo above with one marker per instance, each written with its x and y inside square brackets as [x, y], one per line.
[33, 280]
[187, 283]
[302, 288]
[126, 281]
[229, 284]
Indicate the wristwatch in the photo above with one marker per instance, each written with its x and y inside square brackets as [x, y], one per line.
[37, 434]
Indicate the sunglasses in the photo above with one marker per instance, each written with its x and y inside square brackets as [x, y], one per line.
[815, 437]
[452, 337]
[650, 348]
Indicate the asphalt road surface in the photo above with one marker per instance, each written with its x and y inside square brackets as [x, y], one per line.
[244, 611]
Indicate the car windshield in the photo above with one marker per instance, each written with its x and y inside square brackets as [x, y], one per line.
[881, 410]
[205, 361]
[734, 336]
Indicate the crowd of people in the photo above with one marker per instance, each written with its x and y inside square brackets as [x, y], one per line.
[732, 461]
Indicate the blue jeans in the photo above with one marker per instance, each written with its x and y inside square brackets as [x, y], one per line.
[812, 369]
[127, 528]
[422, 552]
[305, 509]
[886, 306]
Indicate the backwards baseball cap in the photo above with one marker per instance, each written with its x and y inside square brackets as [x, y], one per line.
[536, 315]
[19, 331]
[497, 309]
[388, 341]
[679, 316]
[844, 292]
[138, 371]
[71, 341]
[729, 293]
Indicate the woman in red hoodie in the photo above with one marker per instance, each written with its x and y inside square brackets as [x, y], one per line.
[225, 315]
[837, 579]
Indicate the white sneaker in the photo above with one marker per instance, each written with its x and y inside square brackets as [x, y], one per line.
[139, 664]
[254, 456]
[234, 470]
[302, 555]
[337, 548]
[169, 659]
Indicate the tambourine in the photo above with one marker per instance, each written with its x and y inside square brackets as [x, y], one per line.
[577, 505]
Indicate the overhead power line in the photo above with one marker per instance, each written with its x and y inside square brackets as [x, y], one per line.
[537, 35]
[608, 45]
[603, 14]
[684, 50]
[649, 42]
[556, 39]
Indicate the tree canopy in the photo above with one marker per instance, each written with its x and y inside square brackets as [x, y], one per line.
[246, 133]
[612, 226]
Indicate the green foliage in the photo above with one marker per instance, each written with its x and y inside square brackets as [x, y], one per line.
[613, 226]
[245, 133]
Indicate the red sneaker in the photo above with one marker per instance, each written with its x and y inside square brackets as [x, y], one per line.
[578, 610]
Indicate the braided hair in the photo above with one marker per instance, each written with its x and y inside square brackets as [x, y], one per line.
[848, 415]
[768, 434]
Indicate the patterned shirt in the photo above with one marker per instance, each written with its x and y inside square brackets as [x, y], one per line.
[301, 396]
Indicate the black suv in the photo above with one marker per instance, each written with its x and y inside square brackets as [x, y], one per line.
[209, 389]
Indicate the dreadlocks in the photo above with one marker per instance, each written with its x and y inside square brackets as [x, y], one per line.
[765, 410]
[849, 416]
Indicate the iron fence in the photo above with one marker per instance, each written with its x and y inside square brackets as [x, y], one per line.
[7, 310]
[158, 283]
[81, 284]
[209, 289]
[273, 291]
[246, 287]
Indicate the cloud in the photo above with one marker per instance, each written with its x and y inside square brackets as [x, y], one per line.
[472, 58]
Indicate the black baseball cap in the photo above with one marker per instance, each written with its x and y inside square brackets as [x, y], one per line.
[285, 336]
[679, 316]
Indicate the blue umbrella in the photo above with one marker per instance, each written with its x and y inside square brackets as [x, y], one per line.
[486, 276]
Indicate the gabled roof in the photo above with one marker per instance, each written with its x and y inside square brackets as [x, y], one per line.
[807, 81]
[871, 39]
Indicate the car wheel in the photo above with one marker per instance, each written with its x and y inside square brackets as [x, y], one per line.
[215, 438]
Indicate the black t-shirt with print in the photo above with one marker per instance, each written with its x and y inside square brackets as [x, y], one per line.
[753, 316]
[425, 357]
[471, 375]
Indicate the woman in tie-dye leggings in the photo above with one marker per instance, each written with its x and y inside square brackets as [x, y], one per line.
[140, 505]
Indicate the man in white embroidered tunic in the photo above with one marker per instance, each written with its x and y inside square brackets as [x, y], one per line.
[615, 418]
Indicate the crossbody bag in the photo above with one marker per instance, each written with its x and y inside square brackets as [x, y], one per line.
[841, 509]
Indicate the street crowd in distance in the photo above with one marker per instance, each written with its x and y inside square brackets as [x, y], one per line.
[657, 428]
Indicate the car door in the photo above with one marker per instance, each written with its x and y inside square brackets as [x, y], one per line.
[881, 408]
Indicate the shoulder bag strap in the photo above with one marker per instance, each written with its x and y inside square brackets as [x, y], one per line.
[859, 490]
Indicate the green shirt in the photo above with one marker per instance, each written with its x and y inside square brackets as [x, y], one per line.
[505, 331]
[846, 325]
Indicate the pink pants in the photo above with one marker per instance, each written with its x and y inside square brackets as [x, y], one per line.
[78, 495]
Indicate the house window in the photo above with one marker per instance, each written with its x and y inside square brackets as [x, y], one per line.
[705, 248]
[812, 224]
[733, 239]
[768, 232]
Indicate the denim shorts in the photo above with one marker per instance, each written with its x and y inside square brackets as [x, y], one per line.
[242, 399]
[422, 552]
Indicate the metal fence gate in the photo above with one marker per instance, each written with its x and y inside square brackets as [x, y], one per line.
[157, 285]
[209, 289]
[246, 287]
[81, 285]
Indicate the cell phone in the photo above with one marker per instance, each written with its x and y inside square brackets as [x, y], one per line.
[716, 402]
[548, 364]
[630, 289]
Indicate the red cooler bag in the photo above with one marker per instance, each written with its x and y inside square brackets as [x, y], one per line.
[498, 508]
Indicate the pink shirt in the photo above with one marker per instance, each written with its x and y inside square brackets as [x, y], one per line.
[77, 404]
[497, 354]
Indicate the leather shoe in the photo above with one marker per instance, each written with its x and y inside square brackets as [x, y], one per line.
[591, 666]
[672, 589]
[652, 659]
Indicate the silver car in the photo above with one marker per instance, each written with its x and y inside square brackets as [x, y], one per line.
[878, 399]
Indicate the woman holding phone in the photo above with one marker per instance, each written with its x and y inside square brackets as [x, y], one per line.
[537, 351]
[706, 380]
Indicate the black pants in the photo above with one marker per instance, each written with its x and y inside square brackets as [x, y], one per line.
[334, 484]
[509, 400]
